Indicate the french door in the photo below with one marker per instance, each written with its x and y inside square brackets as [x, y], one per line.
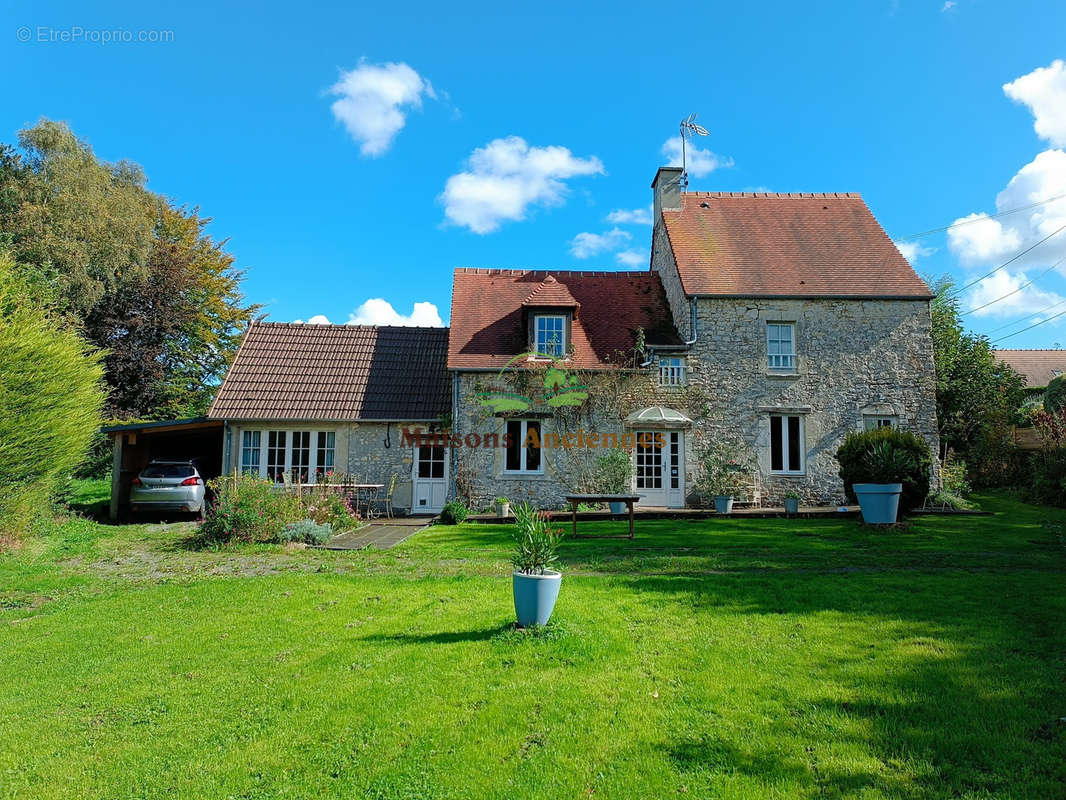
[659, 472]
[429, 479]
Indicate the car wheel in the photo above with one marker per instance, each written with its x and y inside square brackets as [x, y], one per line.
[201, 513]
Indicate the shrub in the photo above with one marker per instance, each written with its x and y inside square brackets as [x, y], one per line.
[951, 500]
[1055, 394]
[307, 531]
[953, 476]
[50, 399]
[536, 542]
[247, 508]
[887, 455]
[724, 468]
[613, 472]
[327, 507]
[454, 512]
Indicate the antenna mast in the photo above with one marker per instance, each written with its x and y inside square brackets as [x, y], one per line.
[688, 128]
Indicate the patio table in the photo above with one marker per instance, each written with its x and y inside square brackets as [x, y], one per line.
[628, 499]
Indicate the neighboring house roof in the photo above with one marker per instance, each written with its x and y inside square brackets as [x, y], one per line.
[489, 316]
[288, 371]
[786, 245]
[1038, 367]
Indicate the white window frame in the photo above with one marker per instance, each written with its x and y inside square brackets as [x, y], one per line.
[537, 319]
[673, 371]
[785, 451]
[251, 444]
[289, 433]
[871, 422]
[780, 361]
[524, 451]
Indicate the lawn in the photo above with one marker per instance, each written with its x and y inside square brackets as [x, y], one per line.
[722, 658]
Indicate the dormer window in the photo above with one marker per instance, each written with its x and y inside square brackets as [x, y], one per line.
[549, 332]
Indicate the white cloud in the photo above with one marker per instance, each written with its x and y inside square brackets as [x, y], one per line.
[948, 5]
[377, 311]
[1044, 91]
[317, 319]
[1002, 284]
[587, 245]
[630, 216]
[632, 258]
[699, 162]
[370, 102]
[982, 240]
[912, 251]
[507, 176]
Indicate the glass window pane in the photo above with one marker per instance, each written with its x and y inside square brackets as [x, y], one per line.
[514, 446]
[533, 453]
[776, 445]
[276, 441]
[795, 447]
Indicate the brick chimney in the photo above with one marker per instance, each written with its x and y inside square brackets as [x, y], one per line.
[666, 191]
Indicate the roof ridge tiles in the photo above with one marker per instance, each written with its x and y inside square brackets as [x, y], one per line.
[779, 195]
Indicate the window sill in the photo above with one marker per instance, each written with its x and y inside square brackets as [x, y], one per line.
[783, 374]
[788, 474]
[521, 476]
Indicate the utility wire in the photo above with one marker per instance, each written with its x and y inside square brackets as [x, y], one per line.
[982, 219]
[1025, 285]
[1027, 316]
[1011, 260]
[1023, 330]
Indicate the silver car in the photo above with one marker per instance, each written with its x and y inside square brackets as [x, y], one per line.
[169, 486]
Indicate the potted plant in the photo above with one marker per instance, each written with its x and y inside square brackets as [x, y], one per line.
[722, 467]
[886, 470]
[792, 502]
[614, 475]
[535, 585]
[503, 507]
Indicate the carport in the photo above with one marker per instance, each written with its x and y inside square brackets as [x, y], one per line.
[135, 444]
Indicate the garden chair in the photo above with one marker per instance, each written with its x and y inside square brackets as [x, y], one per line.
[386, 501]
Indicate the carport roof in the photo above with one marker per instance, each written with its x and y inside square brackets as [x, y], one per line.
[163, 425]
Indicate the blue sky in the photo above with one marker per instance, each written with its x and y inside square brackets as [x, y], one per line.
[360, 152]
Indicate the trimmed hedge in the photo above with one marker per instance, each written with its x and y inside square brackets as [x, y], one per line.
[861, 456]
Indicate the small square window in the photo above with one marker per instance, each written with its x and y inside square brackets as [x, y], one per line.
[871, 422]
[781, 346]
[549, 335]
[671, 371]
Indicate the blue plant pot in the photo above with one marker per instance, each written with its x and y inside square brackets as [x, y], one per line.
[879, 502]
[723, 504]
[535, 596]
[617, 508]
[792, 505]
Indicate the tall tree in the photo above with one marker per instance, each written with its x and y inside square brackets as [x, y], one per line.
[141, 276]
[976, 393]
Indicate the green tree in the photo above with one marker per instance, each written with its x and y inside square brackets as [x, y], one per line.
[141, 277]
[50, 399]
[976, 393]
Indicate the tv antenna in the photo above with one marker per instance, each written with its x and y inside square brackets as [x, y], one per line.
[689, 128]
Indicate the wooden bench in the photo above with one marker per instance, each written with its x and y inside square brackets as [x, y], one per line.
[628, 499]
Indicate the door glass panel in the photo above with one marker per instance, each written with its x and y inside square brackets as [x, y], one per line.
[301, 455]
[675, 463]
[276, 455]
[649, 464]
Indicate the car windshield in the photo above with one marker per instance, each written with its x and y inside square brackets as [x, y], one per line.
[168, 471]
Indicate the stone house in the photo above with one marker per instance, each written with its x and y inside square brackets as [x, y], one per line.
[775, 323]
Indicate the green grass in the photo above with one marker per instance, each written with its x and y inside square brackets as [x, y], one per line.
[722, 658]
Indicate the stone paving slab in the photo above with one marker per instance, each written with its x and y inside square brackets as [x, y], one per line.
[380, 534]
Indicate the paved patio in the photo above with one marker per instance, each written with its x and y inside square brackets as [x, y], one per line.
[381, 534]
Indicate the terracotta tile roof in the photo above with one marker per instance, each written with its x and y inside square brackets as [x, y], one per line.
[551, 293]
[792, 245]
[1038, 367]
[286, 371]
[489, 320]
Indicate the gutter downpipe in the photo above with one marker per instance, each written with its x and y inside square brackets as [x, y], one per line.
[689, 343]
[226, 436]
[454, 458]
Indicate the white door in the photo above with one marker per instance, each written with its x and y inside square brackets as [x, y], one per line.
[659, 476]
[429, 479]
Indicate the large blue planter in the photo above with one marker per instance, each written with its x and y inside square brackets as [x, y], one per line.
[879, 502]
[535, 596]
[723, 504]
[617, 508]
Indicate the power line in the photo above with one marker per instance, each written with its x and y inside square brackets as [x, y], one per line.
[1023, 330]
[982, 219]
[1027, 316]
[1011, 260]
[1009, 294]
